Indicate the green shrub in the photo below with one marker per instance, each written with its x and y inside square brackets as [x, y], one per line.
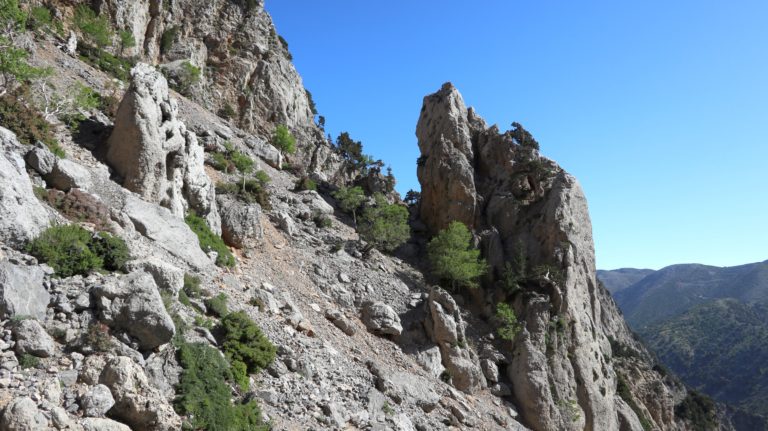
[204, 396]
[622, 390]
[242, 162]
[305, 183]
[510, 326]
[187, 76]
[67, 249]
[283, 140]
[118, 67]
[168, 38]
[95, 28]
[192, 286]
[385, 225]
[29, 125]
[245, 343]
[220, 162]
[28, 361]
[113, 251]
[217, 305]
[227, 112]
[209, 241]
[321, 220]
[39, 18]
[126, 40]
[262, 177]
[350, 199]
[252, 191]
[453, 258]
[699, 410]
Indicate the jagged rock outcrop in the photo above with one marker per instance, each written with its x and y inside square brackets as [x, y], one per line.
[446, 328]
[154, 153]
[24, 216]
[133, 304]
[521, 204]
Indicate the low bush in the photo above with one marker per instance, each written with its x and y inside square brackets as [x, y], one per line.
[305, 183]
[385, 225]
[227, 112]
[217, 305]
[251, 191]
[220, 162]
[95, 28]
[204, 397]
[209, 241]
[28, 361]
[510, 326]
[70, 250]
[168, 38]
[97, 337]
[118, 67]
[192, 286]
[699, 410]
[321, 220]
[244, 343]
[39, 18]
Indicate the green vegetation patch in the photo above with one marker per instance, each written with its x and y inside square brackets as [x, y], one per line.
[454, 259]
[247, 348]
[385, 225]
[510, 326]
[70, 250]
[209, 241]
[204, 396]
[699, 410]
[29, 125]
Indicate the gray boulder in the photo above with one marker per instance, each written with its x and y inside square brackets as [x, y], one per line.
[22, 215]
[340, 321]
[32, 338]
[21, 291]
[265, 151]
[22, 414]
[132, 303]
[286, 223]
[240, 222]
[137, 402]
[102, 424]
[381, 319]
[167, 276]
[41, 159]
[97, 401]
[67, 175]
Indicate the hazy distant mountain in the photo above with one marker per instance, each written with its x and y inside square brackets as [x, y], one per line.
[675, 289]
[618, 279]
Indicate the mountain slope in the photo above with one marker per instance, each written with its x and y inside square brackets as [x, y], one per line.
[673, 290]
[619, 279]
[720, 348]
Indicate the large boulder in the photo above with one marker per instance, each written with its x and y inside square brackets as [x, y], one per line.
[21, 291]
[103, 424]
[154, 153]
[22, 414]
[240, 222]
[32, 338]
[22, 215]
[381, 319]
[97, 401]
[137, 402]
[132, 303]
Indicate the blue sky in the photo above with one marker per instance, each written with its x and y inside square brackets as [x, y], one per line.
[659, 108]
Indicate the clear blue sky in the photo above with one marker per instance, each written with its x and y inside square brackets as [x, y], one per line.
[659, 108]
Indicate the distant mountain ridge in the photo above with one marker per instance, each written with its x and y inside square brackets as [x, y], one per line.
[709, 325]
[673, 290]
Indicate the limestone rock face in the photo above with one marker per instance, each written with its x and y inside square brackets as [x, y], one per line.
[133, 304]
[22, 215]
[446, 328]
[519, 203]
[21, 291]
[155, 154]
[137, 402]
[380, 318]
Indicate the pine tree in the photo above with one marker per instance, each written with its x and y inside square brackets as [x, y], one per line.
[453, 258]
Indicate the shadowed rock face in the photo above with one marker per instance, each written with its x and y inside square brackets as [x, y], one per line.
[518, 202]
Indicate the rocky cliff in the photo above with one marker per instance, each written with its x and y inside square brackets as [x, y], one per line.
[348, 338]
[524, 207]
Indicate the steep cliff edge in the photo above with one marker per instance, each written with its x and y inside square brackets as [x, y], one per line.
[524, 207]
